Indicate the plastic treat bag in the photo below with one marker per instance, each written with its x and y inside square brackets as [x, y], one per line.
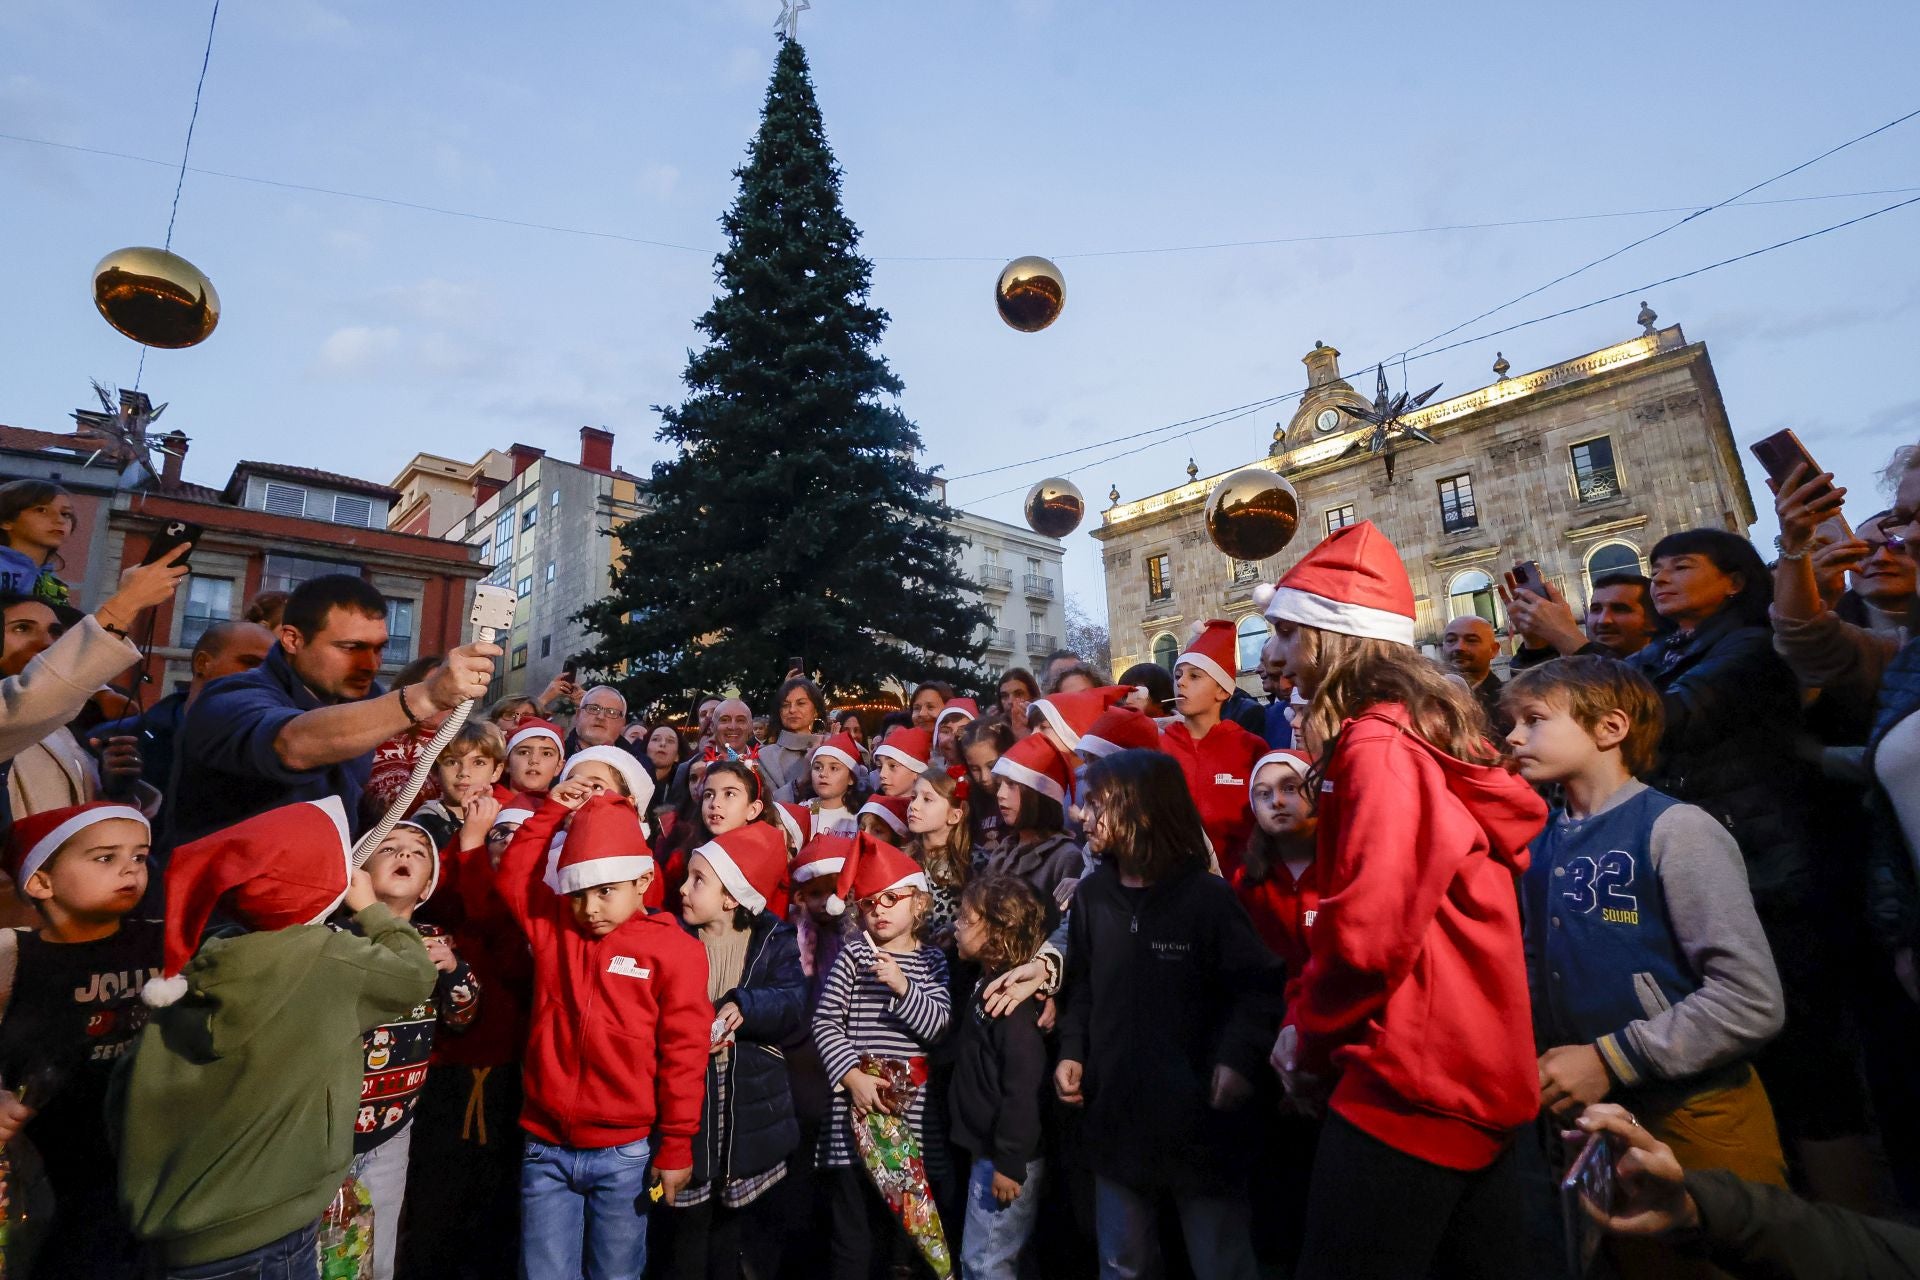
[891, 1154]
[346, 1232]
[26, 1197]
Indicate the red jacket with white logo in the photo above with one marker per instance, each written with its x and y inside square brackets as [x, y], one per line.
[1218, 768]
[1416, 993]
[617, 1047]
[1282, 910]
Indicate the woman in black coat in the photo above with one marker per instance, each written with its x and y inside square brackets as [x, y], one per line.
[1732, 712]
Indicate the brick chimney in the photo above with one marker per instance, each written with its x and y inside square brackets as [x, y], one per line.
[524, 456]
[175, 444]
[485, 486]
[596, 448]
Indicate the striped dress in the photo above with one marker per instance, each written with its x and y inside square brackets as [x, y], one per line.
[858, 1014]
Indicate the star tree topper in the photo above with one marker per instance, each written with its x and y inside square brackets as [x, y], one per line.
[1385, 415]
[787, 25]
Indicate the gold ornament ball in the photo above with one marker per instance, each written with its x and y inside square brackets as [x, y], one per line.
[1252, 514]
[155, 297]
[1030, 293]
[1055, 508]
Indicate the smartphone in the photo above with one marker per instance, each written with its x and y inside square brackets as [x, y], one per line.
[1779, 454]
[1585, 1192]
[795, 664]
[1526, 577]
[172, 534]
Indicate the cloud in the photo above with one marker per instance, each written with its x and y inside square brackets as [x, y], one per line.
[358, 350]
[1789, 325]
[440, 302]
[657, 181]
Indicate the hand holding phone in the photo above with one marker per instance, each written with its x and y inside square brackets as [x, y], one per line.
[1806, 498]
[1587, 1201]
[174, 533]
[1527, 577]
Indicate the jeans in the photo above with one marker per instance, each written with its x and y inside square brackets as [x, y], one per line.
[1218, 1229]
[577, 1202]
[995, 1233]
[295, 1256]
[384, 1171]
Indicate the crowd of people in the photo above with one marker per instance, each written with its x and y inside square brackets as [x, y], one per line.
[1078, 976]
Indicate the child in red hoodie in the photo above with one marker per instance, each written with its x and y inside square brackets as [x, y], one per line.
[1413, 1011]
[1217, 755]
[616, 1062]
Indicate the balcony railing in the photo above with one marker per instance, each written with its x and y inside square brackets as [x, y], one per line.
[1039, 587]
[996, 577]
[1038, 642]
[999, 639]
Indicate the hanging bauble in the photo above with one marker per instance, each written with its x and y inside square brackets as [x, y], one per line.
[1030, 293]
[1055, 508]
[155, 297]
[1252, 514]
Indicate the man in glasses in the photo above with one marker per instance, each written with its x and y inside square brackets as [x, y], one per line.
[599, 721]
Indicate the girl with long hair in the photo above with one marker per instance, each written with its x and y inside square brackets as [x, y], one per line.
[1412, 1020]
[36, 518]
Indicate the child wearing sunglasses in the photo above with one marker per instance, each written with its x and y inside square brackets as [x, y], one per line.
[885, 997]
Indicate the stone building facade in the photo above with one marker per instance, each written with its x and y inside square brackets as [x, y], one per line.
[1020, 579]
[1581, 466]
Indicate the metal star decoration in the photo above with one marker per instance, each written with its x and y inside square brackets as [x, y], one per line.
[1385, 414]
[123, 428]
[788, 23]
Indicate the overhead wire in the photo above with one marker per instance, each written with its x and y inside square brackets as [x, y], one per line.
[186, 150]
[528, 224]
[1464, 342]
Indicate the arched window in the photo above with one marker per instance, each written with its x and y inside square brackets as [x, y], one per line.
[1165, 650]
[1471, 592]
[1252, 633]
[1611, 557]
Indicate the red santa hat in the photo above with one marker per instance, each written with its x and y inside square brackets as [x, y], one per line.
[750, 862]
[1215, 650]
[535, 728]
[38, 836]
[288, 866]
[518, 812]
[843, 748]
[1034, 762]
[1353, 583]
[874, 866]
[891, 810]
[1298, 761]
[796, 820]
[823, 856]
[957, 707]
[604, 845]
[1072, 714]
[638, 778]
[911, 747]
[1120, 729]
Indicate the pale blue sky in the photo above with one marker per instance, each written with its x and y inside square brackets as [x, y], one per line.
[357, 333]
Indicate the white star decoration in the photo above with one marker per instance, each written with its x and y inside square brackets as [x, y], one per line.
[788, 23]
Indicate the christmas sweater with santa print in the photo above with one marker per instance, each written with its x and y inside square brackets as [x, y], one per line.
[618, 1045]
[73, 1011]
[1218, 767]
[396, 1052]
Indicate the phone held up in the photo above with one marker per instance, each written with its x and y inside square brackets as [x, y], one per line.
[1527, 577]
[1779, 454]
[173, 533]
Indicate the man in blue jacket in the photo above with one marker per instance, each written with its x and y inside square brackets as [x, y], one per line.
[303, 724]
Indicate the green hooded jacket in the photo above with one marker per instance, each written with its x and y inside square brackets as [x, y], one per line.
[234, 1114]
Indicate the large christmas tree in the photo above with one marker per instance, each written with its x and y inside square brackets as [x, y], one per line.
[793, 519]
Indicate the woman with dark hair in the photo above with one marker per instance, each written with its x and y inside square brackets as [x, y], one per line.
[1016, 690]
[848, 721]
[1732, 717]
[1169, 1003]
[928, 697]
[662, 749]
[802, 710]
[1157, 700]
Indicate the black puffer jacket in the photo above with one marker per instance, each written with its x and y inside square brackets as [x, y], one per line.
[1732, 714]
[772, 995]
[1893, 900]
